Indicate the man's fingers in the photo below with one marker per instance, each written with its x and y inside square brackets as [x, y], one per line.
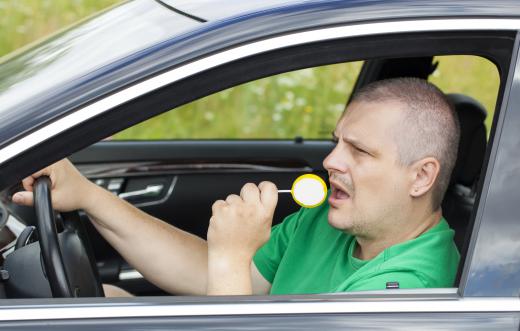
[268, 194]
[27, 183]
[23, 198]
[217, 205]
[250, 193]
[233, 198]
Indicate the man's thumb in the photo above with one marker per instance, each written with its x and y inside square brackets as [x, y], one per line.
[268, 194]
[23, 198]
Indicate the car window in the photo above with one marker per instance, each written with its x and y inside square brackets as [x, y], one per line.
[307, 103]
[470, 75]
[303, 103]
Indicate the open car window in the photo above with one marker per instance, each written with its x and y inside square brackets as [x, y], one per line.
[474, 76]
[304, 104]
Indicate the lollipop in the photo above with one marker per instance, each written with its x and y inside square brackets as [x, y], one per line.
[308, 191]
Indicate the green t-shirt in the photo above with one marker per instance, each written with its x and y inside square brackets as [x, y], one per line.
[307, 255]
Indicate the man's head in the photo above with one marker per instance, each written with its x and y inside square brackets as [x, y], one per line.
[397, 145]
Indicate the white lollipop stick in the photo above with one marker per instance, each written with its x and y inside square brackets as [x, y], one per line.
[308, 191]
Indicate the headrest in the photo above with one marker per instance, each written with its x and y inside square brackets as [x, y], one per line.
[472, 145]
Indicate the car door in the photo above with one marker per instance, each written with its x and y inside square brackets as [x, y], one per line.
[122, 163]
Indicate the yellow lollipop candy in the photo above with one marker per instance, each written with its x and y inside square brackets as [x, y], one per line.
[308, 191]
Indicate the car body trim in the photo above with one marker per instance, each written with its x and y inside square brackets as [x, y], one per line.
[332, 305]
[292, 39]
[127, 169]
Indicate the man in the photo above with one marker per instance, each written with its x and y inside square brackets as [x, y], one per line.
[396, 146]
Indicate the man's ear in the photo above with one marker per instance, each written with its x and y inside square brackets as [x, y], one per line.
[424, 174]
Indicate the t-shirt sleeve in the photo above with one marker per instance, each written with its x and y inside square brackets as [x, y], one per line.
[399, 280]
[268, 257]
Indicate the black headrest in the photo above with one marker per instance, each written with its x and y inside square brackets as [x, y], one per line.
[472, 145]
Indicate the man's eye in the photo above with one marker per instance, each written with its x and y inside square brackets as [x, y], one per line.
[362, 151]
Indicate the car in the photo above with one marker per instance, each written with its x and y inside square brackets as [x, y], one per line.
[78, 93]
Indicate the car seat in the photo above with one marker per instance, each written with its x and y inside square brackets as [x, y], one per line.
[458, 202]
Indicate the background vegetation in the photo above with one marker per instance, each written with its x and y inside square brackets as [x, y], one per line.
[302, 103]
[25, 21]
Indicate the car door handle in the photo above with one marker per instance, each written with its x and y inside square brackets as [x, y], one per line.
[149, 192]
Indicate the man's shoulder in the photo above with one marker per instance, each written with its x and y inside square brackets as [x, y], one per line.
[430, 260]
[433, 256]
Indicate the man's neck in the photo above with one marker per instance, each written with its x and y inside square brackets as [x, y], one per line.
[367, 249]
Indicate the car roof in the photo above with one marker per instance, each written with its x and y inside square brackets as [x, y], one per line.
[81, 64]
[213, 10]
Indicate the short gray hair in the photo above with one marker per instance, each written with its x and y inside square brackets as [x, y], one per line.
[430, 126]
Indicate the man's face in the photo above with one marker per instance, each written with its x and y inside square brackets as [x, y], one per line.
[369, 188]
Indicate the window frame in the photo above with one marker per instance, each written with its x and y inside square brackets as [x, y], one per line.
[487, 218]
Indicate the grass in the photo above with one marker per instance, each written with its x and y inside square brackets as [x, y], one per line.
[303, 103]
[25, 21]
[470, 75]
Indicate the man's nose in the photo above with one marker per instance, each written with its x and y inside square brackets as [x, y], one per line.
[336, 160]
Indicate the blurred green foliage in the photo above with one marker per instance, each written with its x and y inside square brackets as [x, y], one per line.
[303, 103]
[470, 75]
[24, 21]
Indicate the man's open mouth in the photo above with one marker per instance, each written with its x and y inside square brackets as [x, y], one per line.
[337, 193]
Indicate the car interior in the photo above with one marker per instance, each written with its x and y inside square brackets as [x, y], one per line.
[177, 189]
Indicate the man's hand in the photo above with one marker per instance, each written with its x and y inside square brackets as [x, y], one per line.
[242, 224]
[238, 228]
[68, 188]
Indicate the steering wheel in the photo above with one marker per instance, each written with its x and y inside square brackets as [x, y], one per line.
[67, 257]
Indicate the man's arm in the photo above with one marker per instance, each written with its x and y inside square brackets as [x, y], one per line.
[238, 227]
[172, 259]
[261, 286]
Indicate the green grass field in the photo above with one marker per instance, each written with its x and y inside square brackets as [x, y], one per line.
[303, 103]
[25, 21]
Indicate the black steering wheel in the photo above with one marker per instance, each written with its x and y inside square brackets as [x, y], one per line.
[67, 257]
